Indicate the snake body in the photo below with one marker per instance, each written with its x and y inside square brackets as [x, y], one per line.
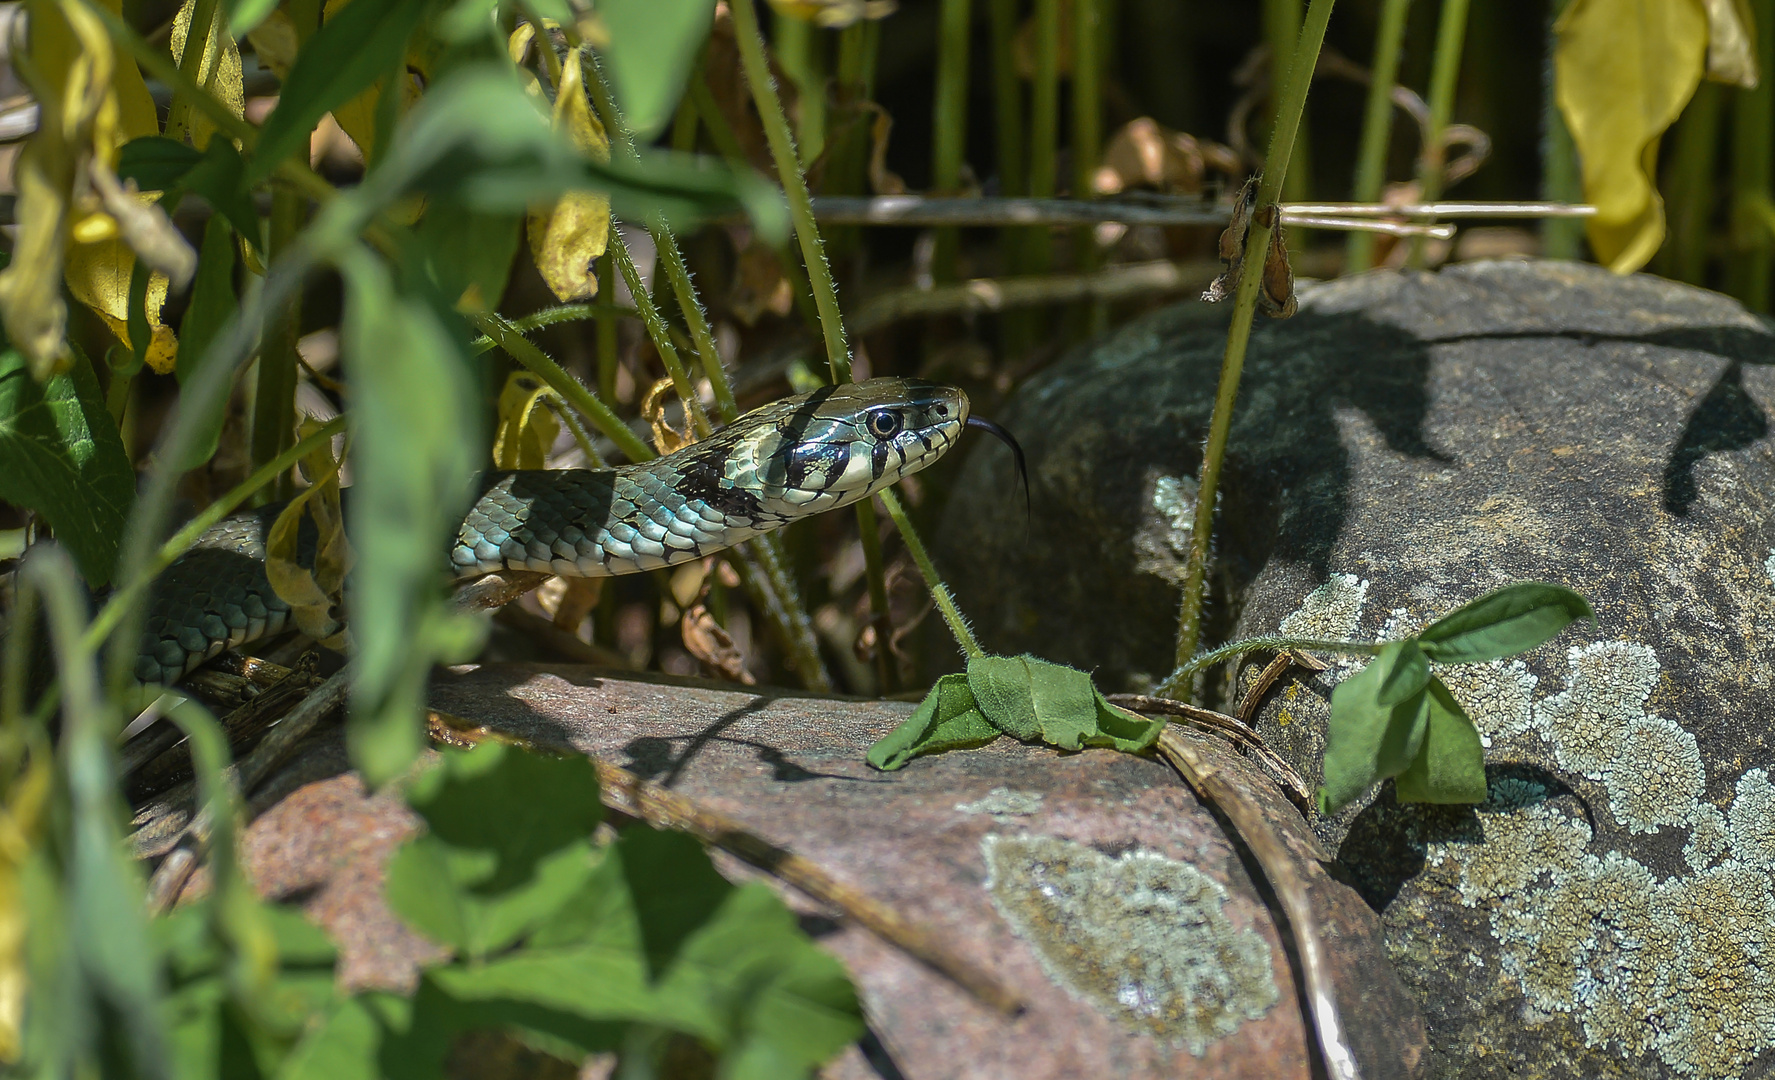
[777, 464]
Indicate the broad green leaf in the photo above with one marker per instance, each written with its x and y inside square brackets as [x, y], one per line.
[61, 456]
[946, 719]
[1623, 70]
[1450, 763]
[345, 1044]
[1366, 742]
[1119, 729]
[478, 139]
[675, 889]
[508, 843]
[415, 432]
[220, 178]
[350, 51]
[1003, 686]
[1507, 621]
[156, 163]
[468, 253]
[651, 51]
[1404, 671]
[212, 302]
[244, 16]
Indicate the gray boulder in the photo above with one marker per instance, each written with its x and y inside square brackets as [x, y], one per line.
[1403, 445]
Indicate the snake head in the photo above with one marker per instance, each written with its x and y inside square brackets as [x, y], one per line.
[841, 444]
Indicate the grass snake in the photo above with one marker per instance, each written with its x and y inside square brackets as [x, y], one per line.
[777, 464]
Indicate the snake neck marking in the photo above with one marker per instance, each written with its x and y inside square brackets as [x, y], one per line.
[785, 461]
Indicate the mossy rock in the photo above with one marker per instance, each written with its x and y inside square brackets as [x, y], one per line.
[1408, 442]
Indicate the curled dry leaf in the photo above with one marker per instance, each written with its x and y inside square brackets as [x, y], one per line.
[1731, 43]
[313, 591]
[713, 646]
[565, 237]
[1623, 70]
[1145, 154]
[666, 438]
[760, 287]
[835, 14]
[1276, 297]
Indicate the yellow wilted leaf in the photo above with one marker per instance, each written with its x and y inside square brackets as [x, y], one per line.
[566, 237]
[98, 276]
[527, 426]
[218, 71]
[666, 438]
[312, 591]
[91, 103]
[1731, 43]
[1623, 70]
[358, 116]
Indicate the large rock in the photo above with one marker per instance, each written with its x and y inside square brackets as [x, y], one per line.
[1095, 885]
[1403, 445]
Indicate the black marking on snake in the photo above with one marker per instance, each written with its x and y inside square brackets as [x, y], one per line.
[828, 460]
[702, 475]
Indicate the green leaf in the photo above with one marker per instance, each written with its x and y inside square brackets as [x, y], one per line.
[156, 163]
[675, 889]
[1404, 671]
[651, 51]
[508, 843]
[220, 178]
[415, 428]
[1510, 620]
[478, 139]
[946, 719]
[1119, 729]
[244, 16]
[1450, 763]
[468, 253]
[61, 456]
[1366, 741]
[212, 302]
[350, 51]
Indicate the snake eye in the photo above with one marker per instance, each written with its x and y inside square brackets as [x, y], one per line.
[884, 424]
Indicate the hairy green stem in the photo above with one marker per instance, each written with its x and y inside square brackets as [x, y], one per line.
[801, 207]
[1288, 113]
[1561, 180]
[765, 573]
[1377, 127]
[1445, 72]
[525, 352]
[274, 398]
[701, 334]
[1044, 128]
[1087, 136]
[661, 336]
[1178, 681]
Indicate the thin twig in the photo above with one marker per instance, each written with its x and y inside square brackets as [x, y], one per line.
[1285, 874]
[627, 793]
[1233, 728]
[916, 210]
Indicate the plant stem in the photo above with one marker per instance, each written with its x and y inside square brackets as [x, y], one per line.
[661, 336]
[1087, 136]
[1753, 115]
[672, 261]
[1445, 72]
[796, 43]
[1178, 681]
[958, 626]
[1560, 177]
[1288, 113]
[1377, 127]
[949, 121]
[274, 399]
[525, 352]
[771, 587]
[801, 210]
[1281, 25]
[1007, 96]
[607, 341]
[1691, 184]
[1044, 127]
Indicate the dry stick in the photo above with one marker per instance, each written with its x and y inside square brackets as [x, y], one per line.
[1274, 671]
[1233, 728]
[1285, 876]
[627, 793]
[918, 211]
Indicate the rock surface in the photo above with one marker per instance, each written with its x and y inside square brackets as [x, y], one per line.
[1403, 445]
[1095, 884]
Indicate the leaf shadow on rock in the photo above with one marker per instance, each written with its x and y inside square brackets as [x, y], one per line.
[1386, 844]
[1728, 418]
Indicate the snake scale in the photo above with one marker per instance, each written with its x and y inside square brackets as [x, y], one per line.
[777, 464]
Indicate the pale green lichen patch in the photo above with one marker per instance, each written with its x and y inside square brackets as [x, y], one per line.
[1752, 821]
[1708, 839]
[1770, 566]
[1499, 695]
[1331, 611]
[1003, 803]
[1604, 692]
[1142, 938]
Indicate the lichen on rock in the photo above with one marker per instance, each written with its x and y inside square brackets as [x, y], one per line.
[1331, 611]
[1142, 938]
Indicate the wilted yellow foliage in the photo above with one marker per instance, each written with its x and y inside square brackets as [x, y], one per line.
[527, 426]
[567, 236]
[217, 70]
[98, 276]
[312, 592]
[1731, 43]
[91, 103]
[1623, 70]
